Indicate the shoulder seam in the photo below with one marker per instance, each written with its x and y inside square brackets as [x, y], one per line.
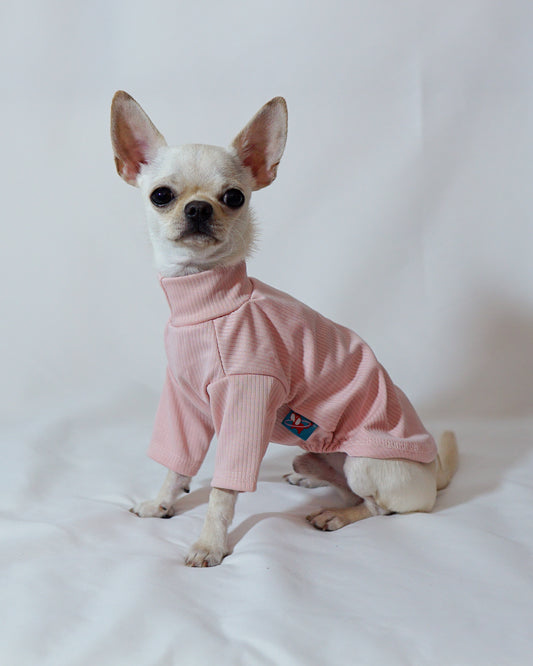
[218, 349]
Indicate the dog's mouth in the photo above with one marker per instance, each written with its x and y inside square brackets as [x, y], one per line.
[200, 235]
[198, 225]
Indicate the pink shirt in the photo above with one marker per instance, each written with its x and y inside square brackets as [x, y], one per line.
[254, 365]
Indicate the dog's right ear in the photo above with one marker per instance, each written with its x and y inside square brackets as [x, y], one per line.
[135, 138]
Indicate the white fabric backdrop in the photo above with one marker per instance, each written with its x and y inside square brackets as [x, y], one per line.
[402, 209]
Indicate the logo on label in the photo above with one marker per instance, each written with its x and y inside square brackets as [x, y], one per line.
[299, 425]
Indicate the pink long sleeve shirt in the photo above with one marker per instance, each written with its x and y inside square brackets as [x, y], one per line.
[254, 365]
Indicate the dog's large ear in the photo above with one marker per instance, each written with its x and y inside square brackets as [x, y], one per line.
[135, 138]
[261, 143]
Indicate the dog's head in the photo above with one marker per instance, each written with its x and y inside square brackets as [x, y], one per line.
[197, 197]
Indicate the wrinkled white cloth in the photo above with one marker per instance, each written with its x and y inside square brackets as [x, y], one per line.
[86, 582]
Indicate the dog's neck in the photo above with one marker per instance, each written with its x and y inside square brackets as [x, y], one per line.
[183, 268]
[170, 263]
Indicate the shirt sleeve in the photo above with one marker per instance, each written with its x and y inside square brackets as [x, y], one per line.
[244, 410]
[182, 431]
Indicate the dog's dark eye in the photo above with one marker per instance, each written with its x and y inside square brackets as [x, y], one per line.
[233, 198]
[162, 196]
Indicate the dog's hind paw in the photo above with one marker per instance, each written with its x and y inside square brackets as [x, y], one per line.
[152, 509]
[327, 520]
[296, 479]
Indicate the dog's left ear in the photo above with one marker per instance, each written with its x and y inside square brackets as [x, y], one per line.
[135, 138]
[261, 143]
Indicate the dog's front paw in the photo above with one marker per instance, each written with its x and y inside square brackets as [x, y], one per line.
[202, 555]
[152, 509]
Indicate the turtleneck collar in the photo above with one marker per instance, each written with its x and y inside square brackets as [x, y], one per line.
[206, 295]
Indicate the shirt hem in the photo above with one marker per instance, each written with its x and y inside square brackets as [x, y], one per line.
[385, 449]
[234, 482]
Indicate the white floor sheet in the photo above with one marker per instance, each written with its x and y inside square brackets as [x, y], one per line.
[86, 582]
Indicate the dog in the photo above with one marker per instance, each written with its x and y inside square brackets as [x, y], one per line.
[251, 364]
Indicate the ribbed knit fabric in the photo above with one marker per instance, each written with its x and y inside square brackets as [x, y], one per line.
[253, 365]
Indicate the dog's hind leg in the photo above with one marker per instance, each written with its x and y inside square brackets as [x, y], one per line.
[312, 470]
[386, 486]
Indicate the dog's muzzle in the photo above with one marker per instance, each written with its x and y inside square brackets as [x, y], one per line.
[198, 214]
[199, 223]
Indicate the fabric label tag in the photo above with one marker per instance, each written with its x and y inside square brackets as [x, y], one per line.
[299, 425]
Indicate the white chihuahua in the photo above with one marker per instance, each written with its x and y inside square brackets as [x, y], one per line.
[249, 363]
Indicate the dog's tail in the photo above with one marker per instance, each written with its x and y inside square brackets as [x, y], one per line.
[447, 459]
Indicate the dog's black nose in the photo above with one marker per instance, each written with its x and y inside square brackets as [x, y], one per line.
[198, 211]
